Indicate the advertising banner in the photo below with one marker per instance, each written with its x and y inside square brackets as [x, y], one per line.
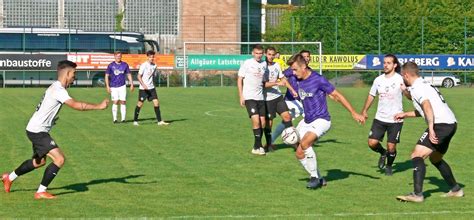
[29, 61]
[428, 62]
[335, 62]
[212, 62]
[101, 61]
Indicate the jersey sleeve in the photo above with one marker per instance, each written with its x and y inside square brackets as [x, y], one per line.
[266, 75]
[141, 69]
[373, 89]
[280, 73]
[418, 96]
[243, 69]
[326, 86]
[127, 69]
[109, 69]
[62, 95]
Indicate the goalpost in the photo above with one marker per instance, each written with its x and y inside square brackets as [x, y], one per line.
[187, 52]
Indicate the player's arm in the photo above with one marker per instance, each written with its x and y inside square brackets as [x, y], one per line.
[84, 106]
[405, 91]
[338, 97]
[240, 84]
[107, 83]
[140, 80]
[289, 87]
[130, 79]
[368, 103]
[429, 117]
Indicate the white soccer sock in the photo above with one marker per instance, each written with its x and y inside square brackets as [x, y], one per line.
[12, 176]
[123, 111]
[311, 163]
[114, 111]
[277, 132]
[304, 164]
[41, 189]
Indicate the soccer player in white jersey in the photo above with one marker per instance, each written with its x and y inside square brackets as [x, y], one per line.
[389, 88]
[116, 85]
[274, 100]
[434, 142]
[39, 126]
[147, 91]
[250, 88]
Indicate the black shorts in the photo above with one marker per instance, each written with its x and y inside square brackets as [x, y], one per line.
[42, 144]
[255, 107]
[379, 128]
[147, 95]
[274, 106]
[444, 132]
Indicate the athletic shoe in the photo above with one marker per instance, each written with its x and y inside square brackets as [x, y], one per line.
[259, 151]
[115, 121]
[44, 195]
[382, 159]
[163, 123]
[6, 182]
[313, 183]
[135, 123]
[123, 121]
[388, 171]
[412, 197]
[323, 181]
[459, 193]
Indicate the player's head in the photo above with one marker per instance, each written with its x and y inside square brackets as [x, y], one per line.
[410, 72]
[257, 52]
[391, 64]
[118, 56]
[277, 55]
[298, 64]
[270, 54]
[67, 71]
[307, 55]
[150, 56]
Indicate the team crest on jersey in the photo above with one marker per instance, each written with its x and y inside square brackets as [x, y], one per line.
[304, 94]
[52, 143]
[252, 110]
[117, 72]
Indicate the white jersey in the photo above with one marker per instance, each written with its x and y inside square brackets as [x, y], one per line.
[46, 111]
[390, 97]
[147, 71]
[421, 91]
[252, 71]
[272, 74]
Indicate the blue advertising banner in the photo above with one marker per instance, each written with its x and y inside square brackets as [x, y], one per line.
[427, 62]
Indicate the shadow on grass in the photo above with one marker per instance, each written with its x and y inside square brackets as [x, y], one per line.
[440, 183]
[338, 174]
[398, 167]
[318, 144]
[154, 120]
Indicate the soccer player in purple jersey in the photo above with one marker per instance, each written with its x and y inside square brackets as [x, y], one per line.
[116, 86]
[313, 89]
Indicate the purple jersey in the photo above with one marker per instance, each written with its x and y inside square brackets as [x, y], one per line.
[291, 78]
[117, 73]
[312, 92]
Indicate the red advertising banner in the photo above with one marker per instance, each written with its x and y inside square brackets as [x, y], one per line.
[101, 61]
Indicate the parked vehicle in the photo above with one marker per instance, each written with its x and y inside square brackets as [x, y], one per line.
[446, 80]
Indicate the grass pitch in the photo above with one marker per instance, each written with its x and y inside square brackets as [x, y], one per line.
[200, 165]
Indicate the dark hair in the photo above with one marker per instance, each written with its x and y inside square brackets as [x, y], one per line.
[117, 52]
[63, 64]
[297, 58]
[257, 46]
[395, 61]
[150, 52]
[411, 67]
[270, 48]
[305, 51]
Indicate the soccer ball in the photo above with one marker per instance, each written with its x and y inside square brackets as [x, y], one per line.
[290, 136]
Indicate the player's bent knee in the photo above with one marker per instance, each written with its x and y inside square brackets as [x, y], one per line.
[373, 143]
[41, 163]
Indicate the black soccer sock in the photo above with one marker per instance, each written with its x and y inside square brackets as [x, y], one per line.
[158, 113]
[419, 171]
[447, 174]
[268, 135]
[379, 149]
[49, 173]
[137, 112]
[257, 133]
[25, 167]
[287, 123]
[391, 157]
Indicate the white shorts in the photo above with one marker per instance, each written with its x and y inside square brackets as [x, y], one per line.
[319, 127]
[118, 93]
[295, 107]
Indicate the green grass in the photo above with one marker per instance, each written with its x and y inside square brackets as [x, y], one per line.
[201, 166]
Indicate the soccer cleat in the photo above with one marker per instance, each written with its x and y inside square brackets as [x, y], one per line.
[135, 123]
[44, 195]
[115, 121]
[259, 151]
[388, 171]
[323, 181]
[313, 183]
[123, 121]
[382, 159]
[412, 197]
[163, 123]
[459, 193]
[6, 182]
